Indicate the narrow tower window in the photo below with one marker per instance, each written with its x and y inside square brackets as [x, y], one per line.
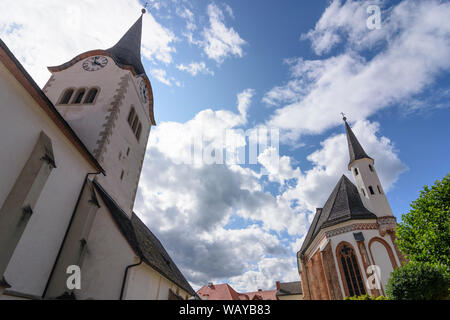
[371, 190]
[379, 189]
[66, 96]
[364, 193]
[121, 175]
[356, 172]
[128, 151]
[138, 132]
[79, 96]
[131, 116]
[371, 168]
[135, 123]
[91, 95]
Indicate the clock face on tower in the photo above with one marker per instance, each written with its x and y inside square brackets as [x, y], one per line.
[143, 92]
[95, 63]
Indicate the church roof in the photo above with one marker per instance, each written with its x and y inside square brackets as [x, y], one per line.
[354, 147]
[290, 288]
[144, 243]
[128, 50]
[343, 204]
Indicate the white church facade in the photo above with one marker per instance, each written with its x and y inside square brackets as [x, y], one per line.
[350, 247]
[72, 155]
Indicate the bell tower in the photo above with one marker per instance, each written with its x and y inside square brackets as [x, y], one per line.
[106, 97]
[366, 178]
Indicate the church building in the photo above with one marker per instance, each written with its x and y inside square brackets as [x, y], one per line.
[350, 247]
[71, 156]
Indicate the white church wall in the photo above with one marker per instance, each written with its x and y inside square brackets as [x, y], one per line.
[146, 284]
[20, 124]
[381, 259]
[108, 254]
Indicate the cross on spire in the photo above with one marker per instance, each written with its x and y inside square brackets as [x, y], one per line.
[343, 116]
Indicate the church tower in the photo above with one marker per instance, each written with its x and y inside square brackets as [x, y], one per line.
[366, 177]
[106, 97]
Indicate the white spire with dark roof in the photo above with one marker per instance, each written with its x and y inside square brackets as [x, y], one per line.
[354, 147]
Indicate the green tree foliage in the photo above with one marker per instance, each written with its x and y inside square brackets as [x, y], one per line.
[419, 281]
[424, 233]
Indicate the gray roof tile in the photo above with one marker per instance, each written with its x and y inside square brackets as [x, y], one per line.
[343, 204]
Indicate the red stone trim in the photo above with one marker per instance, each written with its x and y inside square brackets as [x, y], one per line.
[352, 227]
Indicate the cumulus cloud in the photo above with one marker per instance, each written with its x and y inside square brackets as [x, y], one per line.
[195, 68]
[36, 34]
[408, 53]
[220, 41]
[190, 205]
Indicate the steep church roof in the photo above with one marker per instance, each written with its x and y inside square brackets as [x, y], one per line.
[128, 50]
[343, 204]
[144, 243]
[354, 147]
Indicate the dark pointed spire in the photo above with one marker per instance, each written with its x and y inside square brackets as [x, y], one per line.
[354, 147]
[128, 50]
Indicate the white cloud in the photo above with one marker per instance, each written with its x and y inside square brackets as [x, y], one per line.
[189, 205]
[195, 68]
[410, 51]
[47, 33]
[161, 76]
[265, 275]
[280, 170]
[219, 41]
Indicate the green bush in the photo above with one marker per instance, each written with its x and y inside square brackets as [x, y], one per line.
[366, 297]
[419, 281]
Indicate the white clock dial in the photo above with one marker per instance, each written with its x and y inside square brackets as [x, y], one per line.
[95, 63]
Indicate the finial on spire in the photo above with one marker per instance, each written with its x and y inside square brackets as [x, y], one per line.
[144, 9]
[344, 117]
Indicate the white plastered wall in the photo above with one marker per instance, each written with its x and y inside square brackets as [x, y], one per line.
[147, 284]
[20, 124]
[90, 120]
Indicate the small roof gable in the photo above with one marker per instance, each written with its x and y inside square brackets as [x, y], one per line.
[144, 243]
[354, 147]
[343, 204]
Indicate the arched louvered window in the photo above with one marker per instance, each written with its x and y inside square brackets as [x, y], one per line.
[90, 97]
[350, 271]
[371, 190]
[66, 96]
[379, 189]
[356, 171]
[135, 123]
[79, 96]
[138, 131]
[371, 168]
[131, 116]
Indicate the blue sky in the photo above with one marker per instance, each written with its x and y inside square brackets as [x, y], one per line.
[293, 66]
